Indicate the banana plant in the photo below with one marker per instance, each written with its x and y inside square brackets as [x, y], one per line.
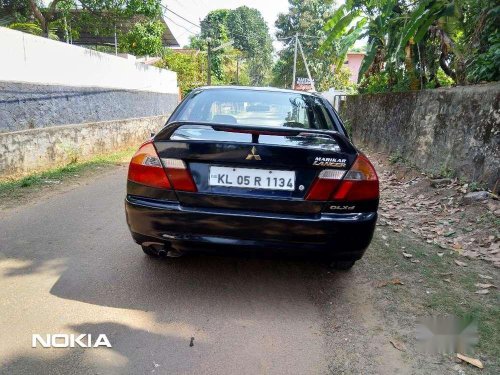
[370, 20]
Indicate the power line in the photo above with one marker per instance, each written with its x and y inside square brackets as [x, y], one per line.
[181, 17]
[175, 23]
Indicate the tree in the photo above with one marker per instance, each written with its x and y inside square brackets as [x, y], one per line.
[190, 68]
[305, 18]
[98, 16]
[250, 34]
[145, 38]
[45, 16]
[411, 44]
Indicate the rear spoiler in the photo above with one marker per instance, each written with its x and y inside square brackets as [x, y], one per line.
[256, 130]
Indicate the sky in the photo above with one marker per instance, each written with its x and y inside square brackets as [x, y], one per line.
[196, 10]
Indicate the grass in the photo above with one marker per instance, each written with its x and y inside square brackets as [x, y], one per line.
[16, 187]
[456, 297]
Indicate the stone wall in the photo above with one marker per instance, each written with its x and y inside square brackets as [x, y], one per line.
[443, 131]
[26, 151]
[30, 106]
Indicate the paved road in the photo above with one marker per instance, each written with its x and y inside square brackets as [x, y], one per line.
[68, 265]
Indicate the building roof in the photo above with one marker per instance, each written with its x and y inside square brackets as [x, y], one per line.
[88, 37]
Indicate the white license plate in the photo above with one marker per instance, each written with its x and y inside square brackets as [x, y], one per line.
[252, 178]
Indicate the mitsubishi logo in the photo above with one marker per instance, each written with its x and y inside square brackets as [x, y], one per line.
[253, 155]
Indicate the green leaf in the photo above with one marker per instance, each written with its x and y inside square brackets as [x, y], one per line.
[368, 60]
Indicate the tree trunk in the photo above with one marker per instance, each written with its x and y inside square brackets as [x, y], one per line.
[449, 72]
[40, 17]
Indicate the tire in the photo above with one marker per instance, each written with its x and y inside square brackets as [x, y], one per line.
[345, 265]
[150, 251]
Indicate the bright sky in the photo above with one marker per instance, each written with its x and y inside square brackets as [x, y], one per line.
[196, 10]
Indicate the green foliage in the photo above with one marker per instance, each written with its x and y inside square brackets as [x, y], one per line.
[340, 79]
[14, 11]
[485, 63]
[247, 28]
[31, 28]
[250, 33]
[145, 38]
[375, 83]
[441, 80]
[411, 44]
[190, 68]
[307, 19]
[98, 17]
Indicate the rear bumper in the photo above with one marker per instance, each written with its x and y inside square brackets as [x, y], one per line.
[340, 236]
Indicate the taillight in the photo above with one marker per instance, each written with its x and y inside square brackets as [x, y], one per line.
[179, 175]
[359, 183]
[145, 168]
[327, 181]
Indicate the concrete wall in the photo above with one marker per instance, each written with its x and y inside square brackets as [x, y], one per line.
[38, 149]
[453, 130]
[29, 106]
[46, 85]
[29, 58]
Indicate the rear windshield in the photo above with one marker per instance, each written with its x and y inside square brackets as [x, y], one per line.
[253, 107]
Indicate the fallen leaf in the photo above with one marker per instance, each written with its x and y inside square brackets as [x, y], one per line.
[485, 286]
[461, 264]
[415, 261]
[398, 345]
[472, 361]
[447, 280]
[440, 254]
[486, 277]
[398, 230]
[394, 281]
[407, 255]
[482, 291]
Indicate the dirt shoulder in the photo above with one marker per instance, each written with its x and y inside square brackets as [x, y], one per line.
[432, 255]
[26, 190]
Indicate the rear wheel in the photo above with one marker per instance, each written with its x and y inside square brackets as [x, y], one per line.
[344, 265]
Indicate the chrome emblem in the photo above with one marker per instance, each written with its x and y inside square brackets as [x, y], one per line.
[252, 155]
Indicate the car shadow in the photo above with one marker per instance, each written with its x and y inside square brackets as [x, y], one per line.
[195, 281]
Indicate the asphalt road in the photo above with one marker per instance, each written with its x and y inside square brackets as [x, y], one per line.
[69, 265]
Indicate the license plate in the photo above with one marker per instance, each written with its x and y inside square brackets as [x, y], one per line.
[252, 178]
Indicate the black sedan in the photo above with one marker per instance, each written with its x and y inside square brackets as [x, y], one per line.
[240, 168]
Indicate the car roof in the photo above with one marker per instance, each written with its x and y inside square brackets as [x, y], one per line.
[256, 88]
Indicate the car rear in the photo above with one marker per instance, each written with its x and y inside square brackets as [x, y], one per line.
[242, 168]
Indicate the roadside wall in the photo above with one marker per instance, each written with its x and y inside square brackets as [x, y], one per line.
[33, 59]
[26, 151]
[45, 83]
[60, 102]
[442, 131]
[32, 106]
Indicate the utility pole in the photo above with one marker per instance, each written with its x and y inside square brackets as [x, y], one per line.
[295, 60]
[237, 70]
[307, 66]
[116, 43]
[209, 65]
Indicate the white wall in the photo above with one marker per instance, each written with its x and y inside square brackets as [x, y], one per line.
[33, 59]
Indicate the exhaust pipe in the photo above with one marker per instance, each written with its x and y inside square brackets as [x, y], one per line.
[162, 250]
[173, 253]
